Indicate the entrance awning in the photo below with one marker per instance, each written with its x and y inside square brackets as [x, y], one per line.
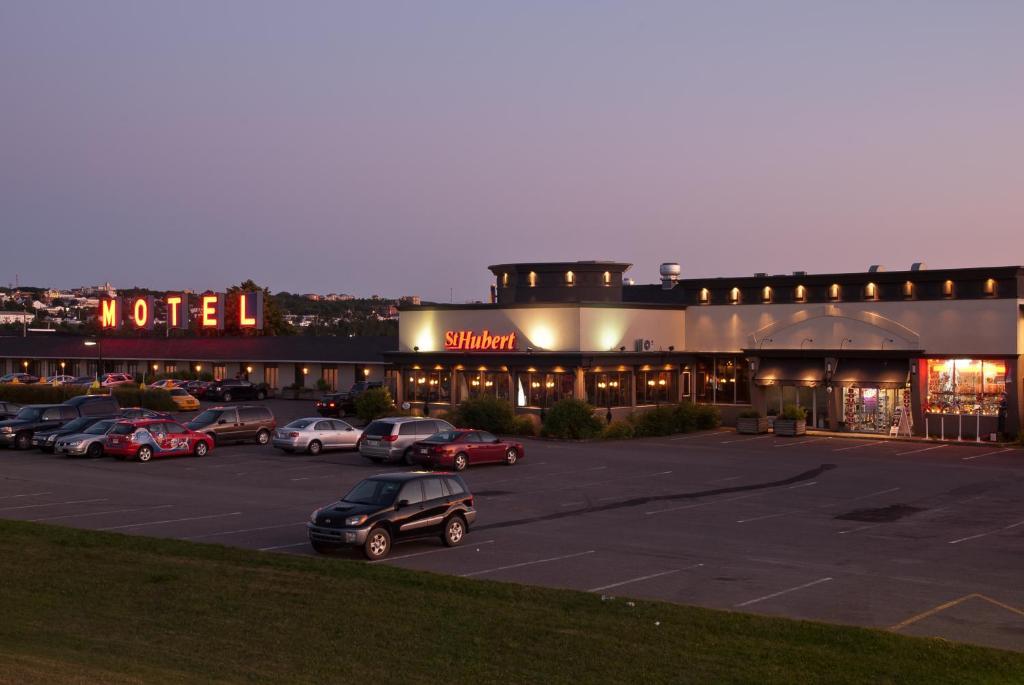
[807, 372]
[872, 373]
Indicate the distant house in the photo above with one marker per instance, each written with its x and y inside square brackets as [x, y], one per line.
[16, 317]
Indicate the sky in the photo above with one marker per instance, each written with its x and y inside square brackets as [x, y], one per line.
[400, 148]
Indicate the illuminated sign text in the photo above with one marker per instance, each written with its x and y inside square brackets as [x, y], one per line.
[141, 311]
[483, 342]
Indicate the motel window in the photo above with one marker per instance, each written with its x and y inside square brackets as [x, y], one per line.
[965, 386]
[535, 389]
[704, 297]
[170, 369]
[766, 294]
[329, 375]
[270, 375]
[532, 279]
[504, 280]
[609, 389]
[908, 290]
[654, 387]
[570, 278]
[607, 277]
[734, 296]
[428, 386]
[474, 384]
[990, 287]
[834, 292]
[132, 369]
[947, 288]
[870, 291]
[219, 371]
[722, 380]
[800, 294]
[300, 375]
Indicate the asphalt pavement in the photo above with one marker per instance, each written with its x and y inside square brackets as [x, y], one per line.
[912, 537]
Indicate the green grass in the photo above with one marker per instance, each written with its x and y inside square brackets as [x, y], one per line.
[85, 607]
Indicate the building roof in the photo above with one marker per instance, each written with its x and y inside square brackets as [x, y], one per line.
[313, 349]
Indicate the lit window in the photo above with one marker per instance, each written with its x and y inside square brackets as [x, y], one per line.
[947, 288]
[871, 291]
[908, 290]
[532, 279]
[734, 296]
[990, 287]
[504, 280]
[570, 278]
[704, 297]
[800, 294]
[833, 292]
[766, 294]
[607, 277]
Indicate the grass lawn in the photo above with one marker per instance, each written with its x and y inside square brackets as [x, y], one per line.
[86, 607]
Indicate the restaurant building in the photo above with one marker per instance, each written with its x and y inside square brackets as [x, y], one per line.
[880, 351]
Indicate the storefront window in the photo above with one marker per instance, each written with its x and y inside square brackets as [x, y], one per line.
[428, 386]
[654, 387]
[473, 384]
[543, 389]
[722, 380]
[611, 389]
[965, 386]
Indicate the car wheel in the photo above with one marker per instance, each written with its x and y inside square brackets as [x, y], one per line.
[454, 531]
[407, 457]
[94, 451]
[261, 395]
[263, 437]
[511, 455]
[144, 454]
[201, 449]
[23, 441]
[227, 397]
[460, 462]
[378, 544]
[315, 446]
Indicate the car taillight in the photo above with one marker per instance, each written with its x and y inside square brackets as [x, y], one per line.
[293, 434]
[437, 450]
[331, 404]
[390, 438]
[469, 502]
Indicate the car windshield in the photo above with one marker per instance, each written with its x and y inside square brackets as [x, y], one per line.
[372, 491]
[77, 425]
[123, 429]
[99, 428]
[208, 416]
[29, 414]
[379, 428]
[445, 436]
[299, 424]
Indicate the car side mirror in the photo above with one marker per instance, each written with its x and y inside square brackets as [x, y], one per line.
[402, 503]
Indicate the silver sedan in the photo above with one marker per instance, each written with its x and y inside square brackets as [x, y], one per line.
[315, 434]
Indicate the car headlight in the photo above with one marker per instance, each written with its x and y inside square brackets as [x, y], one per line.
[6, 429]
[52, 438]
[312, 517]
[353, 521]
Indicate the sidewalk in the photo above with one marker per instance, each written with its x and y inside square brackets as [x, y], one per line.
[904, 438]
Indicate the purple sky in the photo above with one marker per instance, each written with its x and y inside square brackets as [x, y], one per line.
[400, 148]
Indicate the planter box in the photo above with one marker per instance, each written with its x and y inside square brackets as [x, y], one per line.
[790, 427]
[752, 426]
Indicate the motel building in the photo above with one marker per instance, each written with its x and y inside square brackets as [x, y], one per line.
[881, 351]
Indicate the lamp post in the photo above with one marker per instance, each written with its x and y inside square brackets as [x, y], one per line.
[97, 343]
[850, 340]
[805, 340]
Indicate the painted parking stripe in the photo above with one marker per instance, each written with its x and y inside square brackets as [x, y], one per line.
[243, 530]
[991, 532]
[924, 449]
[865, 444]
[987, 454]
[699, 435]
[54, 504]
[643, 578]
[432, 551]
[859, 528]
[101, 513]
[802, 485]
[766, 516]
[801, 442]
[782, 592]
[527, 563]
[270, 549]
[160, 523]
[28, 494]
[759, 437]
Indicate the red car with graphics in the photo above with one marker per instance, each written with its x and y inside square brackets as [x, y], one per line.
[459, 448]
[144, 439]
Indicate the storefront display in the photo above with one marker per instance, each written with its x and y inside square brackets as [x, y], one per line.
[964, 386]
[543, 389]
[870, 410]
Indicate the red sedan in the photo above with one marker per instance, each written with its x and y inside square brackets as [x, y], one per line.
[144, 439]
[457, 449]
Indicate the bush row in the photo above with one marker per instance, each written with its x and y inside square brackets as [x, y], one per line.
[42, 393]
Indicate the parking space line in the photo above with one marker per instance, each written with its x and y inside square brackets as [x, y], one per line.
[859, 528]
[800, 442]
[699, 435]
[925, 449]
[158, 523]
[865, 444]
[432, 551]
[527, 563]
[991, 532]
[767, 516]
[782, 592]
[802, 485]
[269, 549]
[243, 530]
[54, 504]
[642, 578]
[949, 605]
[101, 513]
[29, 494]
[987, 454]
[759, 437]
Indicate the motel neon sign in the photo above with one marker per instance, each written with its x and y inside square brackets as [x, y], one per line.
[464, 341]
[139, 312]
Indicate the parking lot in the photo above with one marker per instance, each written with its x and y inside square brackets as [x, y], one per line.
[921, 538]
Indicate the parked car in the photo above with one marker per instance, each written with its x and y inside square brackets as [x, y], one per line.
[166, 384]
[19, 378]
[89, 442]
[82, 381]
[144, 439]
[229, 390]
[184, 401]
[339, 404]
[457, 449]
[8, 410]
[109, 380]
[392, 439]
[315, 434]
[197, 388]
[18, 432]
[143, 413]
[383, 509]
[94, 405]
[236, 424]
[46, 439]
[58, 380]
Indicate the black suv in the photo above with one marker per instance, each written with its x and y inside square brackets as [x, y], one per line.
[17, 432]
[228, 390]
[8, 410]
[389, 507]
[94, 405]
[338, 404]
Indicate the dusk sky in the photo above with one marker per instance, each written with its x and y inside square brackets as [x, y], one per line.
[400, 148]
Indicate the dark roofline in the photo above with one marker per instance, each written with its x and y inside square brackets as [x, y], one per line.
[542, 305]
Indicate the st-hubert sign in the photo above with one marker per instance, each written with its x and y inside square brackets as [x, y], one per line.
[468, 341]
[139, 311]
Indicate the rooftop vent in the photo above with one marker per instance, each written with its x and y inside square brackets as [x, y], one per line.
[628, 281]
[760, 274]
[918, 266]
[669, 275]
[799, 273]
[875, 268]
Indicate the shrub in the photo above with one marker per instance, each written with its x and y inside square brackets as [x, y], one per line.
[707, 417]
[573, 419]
[685, 415]
[155, 398]
[618, 430]
[127, 395]
[524, 425]
[655, 422]
[793, 412]
[322, 385]
[749, 414]
[374, 403]
[485, 413]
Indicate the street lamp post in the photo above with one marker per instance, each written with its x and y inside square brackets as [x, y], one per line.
[97, 343]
